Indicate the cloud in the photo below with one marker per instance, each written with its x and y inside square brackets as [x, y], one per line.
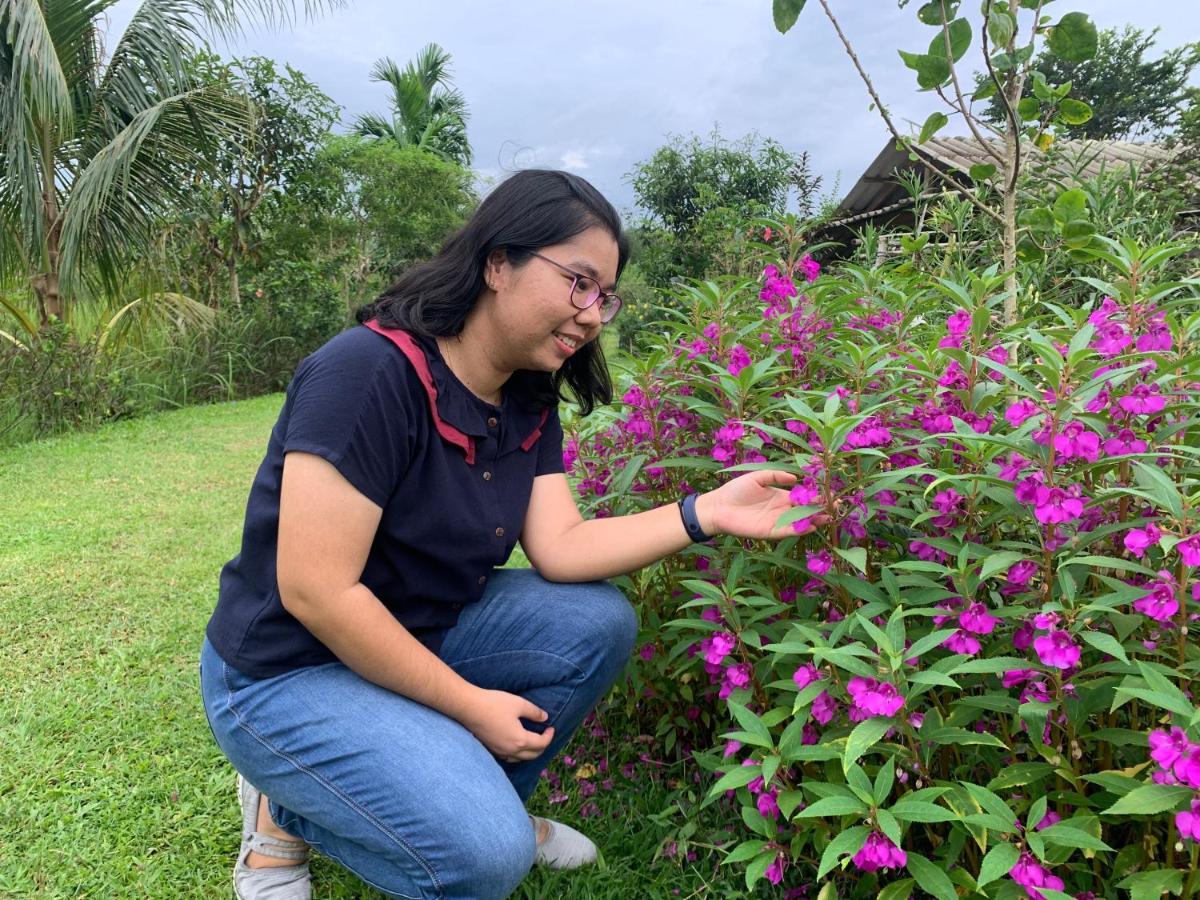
[574, 161]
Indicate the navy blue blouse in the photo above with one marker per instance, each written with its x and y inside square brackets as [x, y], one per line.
[452, 474]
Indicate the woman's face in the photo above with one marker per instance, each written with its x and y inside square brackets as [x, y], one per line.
[537, 322]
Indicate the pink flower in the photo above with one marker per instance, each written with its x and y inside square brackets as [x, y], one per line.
[1023, 409]
[775, 870]
[1053, 505]
[1160, 604]
[962, 642]
[1167, 746]
[1188, 822]
[1057, 649]
[977, 620]
[809, 268]
[820, 562]
[731, 747]
[1187, 768]
[1021, 572]
[1124, 443]
[874, 697]
[1050, 818]
[1076, 441]
[805, 493]
[739, 358]
[1013, 677]
[1189, 550]
[806, 675]
[824, 708]
[1023, 636]
[879, 853]
[1137, 540]
[720, 645]
[1028, 873]
[767, 805]
[1143, 400]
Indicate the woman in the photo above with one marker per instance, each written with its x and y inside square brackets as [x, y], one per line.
[369, 668]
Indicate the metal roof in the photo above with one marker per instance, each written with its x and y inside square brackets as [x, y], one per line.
[876, 190]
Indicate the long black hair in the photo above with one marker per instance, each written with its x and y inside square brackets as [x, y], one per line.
[531, 209]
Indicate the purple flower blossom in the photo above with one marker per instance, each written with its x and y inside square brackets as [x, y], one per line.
[774, 872]
[1020, 411]
[1189, 550]
[824, 708]
[820, 562]
[809, 268]
[874, 697]
[1057, 649]
[739, 358]
[1160, 603]
[1138, 540]
[720, 645]
[879, 853]
[1188, 822]
[1053, 505]
[977, 620]
[1031, 875]
[806, 675]
[767, 804]
[962, 642]
[1124, 443]
[1166, 747]
[1143, 400]
[1021, 572]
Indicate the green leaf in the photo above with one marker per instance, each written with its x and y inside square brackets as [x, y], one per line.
[833, 806]
[1001, 27]
[847, 843]
[856, 556]
[1020, 774]
[1074, 112]
[1160, 486]
[1070, 205]
[950, 735]
[786, 12]
[982, 171]
[960, 39]
[750, 722]
[1074, 38]
[998, 862]
[933, 13]
[735, 778]
[1153, 884]
[865, 735]
[743, 852]
[921, 811]
[931, 878]
[1150, 799]
[998, 562]
[932, 71]
[758, 868]
[1105, 643]
[1029, 109]
[1064, 835]
[932, 126]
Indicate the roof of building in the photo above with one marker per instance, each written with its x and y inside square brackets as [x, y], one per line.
[877, 190]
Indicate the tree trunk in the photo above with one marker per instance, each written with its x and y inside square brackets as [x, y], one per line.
[1009, 240]
[45, 284]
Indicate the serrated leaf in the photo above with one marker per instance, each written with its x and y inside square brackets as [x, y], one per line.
[847, 843]
[1065, 836]
[921, 811]
[1105, 643]
[865, 735]
[856, 556]
[833, 806]
[931, 878]
[743, 852]
[1149, 800]
[735, 778]
[1153, 884]
[998, 862]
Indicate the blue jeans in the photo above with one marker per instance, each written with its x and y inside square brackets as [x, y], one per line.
[402, 795]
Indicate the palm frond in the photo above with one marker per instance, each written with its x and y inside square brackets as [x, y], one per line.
[431, 67]
[152, 315]
[373, 125]
[35, 73]
[23, 318]
[145, 172]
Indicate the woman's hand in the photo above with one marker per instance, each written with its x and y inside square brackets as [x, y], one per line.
[750, 505]
[495, 719]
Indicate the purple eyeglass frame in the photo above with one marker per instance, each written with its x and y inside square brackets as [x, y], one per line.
[601, 294]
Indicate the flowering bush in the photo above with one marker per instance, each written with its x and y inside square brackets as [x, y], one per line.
[976, 680]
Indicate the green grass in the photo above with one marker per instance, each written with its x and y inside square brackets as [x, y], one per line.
[110, 783]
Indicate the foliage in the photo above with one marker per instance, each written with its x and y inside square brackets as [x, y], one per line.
[289, 118]
[427, 113]
[1130, 96]
[978, 677]
[99, 145]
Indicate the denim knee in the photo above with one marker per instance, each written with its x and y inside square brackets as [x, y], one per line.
[493, 856]
[609, 618]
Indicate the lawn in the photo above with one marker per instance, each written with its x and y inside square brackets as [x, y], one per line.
[110, 784]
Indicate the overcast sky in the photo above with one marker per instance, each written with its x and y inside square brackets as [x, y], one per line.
[596, 87]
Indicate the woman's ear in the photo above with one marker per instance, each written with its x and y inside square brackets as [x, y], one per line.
[495, 269]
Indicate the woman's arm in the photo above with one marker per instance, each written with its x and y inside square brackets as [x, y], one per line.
[563, 546]
[325, 532]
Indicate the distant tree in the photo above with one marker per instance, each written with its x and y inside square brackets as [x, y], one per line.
[290, 117]
[1130, 96]
[427, 113]
[695, 192]
[98, 144]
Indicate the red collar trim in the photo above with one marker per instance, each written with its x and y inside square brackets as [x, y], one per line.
[403, 340]
[405, 343]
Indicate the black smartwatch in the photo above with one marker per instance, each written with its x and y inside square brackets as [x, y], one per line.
[691, 522]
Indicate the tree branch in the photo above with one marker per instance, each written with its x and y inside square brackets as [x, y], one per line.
[923, 158]
[1013, 124]
[962, 105]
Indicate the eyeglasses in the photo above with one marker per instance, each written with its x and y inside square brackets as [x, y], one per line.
[585, 291]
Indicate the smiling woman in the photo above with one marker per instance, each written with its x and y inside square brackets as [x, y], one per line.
[369, 667]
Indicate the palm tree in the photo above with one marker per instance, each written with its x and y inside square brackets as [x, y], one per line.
[94, 151]
[427, 113]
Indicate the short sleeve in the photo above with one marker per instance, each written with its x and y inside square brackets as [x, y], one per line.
[550, 446]
[352, 409]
